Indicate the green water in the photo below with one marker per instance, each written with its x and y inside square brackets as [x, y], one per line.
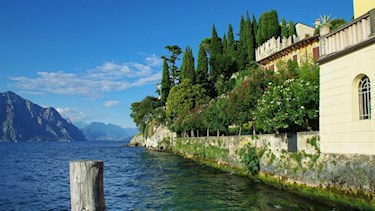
[170, 182]
[35, 176]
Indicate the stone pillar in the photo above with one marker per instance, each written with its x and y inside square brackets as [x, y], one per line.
[372, 22]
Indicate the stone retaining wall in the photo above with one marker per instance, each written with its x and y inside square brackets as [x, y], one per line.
[352, 175]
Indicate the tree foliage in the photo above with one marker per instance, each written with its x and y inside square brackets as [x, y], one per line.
[202, 66]
[215, 55]
[336, 23]
[214, 116]
[230, 47]
[184, 97]
[268, 27]
[243, 99]
[174, 72]
[254, 97]
[187, 66]
[143, 111]
[165, 82]
[291, 29]
[284, 29]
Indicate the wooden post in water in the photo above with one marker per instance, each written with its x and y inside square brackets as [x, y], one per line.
[86, 185]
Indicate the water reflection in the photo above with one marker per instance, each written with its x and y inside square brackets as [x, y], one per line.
[170, 182]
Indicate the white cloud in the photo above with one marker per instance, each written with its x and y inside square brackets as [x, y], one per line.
[72, 114]
[108, 77]
[111, 103]
[154, 60]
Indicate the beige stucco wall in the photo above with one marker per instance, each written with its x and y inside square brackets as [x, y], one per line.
[304, 31]
[341, 131]
[304, 54]
[362, 6]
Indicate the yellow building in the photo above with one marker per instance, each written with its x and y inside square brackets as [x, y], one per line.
[362, 6]
[347, 70]
[300, 48]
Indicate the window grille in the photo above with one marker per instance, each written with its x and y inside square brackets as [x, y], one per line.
[364, 92]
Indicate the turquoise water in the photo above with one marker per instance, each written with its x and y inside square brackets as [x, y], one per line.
[35, 176]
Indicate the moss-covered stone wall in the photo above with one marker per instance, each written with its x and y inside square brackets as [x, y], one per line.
[348, 179]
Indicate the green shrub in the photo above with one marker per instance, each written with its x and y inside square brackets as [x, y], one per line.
[249, 159]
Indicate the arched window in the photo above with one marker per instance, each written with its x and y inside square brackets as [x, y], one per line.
[364, 96]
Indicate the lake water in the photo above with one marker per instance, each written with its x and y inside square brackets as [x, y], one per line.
[35, 176]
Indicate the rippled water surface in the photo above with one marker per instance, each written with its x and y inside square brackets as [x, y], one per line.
[35, 176]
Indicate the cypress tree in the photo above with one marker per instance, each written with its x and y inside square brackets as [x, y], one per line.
[268, 27]
[215, 55]
[292, 30]
[241, 52]
[250, 45]
[202, 67]
[231, 43]
[202, 72]
[284, 29]
[242, 29]
[229, 54]
[259, 35]
[187, 66]
[274, 29]
[165, 82]
[225, 44]
[216, 47]
[255, 28]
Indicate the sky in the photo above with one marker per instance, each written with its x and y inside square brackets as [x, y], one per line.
[91, 60]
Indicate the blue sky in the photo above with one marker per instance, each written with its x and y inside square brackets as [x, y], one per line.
[92, 59]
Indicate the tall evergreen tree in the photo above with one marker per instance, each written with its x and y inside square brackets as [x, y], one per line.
[274, 29]
[228, 63]
[292, 29]
[215, 55]
[284, 29]
[250, 40]
[246, 44]
[202, 67]
[216, 47]
[255, 28]
[201, 76]
[165, 82]
[187, 66]
[268, 27]
[231, 43]
[241, 52]
[242, 30]
[225, 43]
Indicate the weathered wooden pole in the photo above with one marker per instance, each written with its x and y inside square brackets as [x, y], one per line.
[86, 185]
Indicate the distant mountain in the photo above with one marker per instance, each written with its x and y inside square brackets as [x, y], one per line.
[98, 131]
[22, 120]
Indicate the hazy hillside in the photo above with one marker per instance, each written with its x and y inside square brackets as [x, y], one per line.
[98, 131]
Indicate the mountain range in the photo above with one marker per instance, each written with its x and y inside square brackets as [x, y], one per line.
[98, 131]
[22, 120]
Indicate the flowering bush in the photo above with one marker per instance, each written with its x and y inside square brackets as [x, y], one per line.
[292, 106]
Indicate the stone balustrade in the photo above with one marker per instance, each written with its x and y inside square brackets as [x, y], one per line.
[348, 35]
